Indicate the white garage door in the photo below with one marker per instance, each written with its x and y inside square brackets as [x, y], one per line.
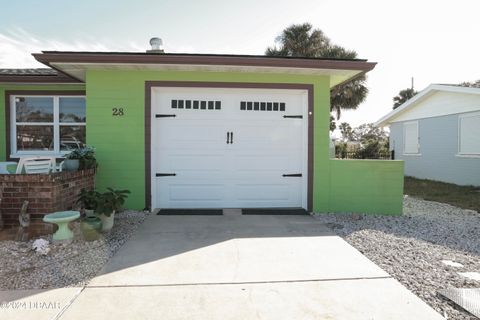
[229, 148]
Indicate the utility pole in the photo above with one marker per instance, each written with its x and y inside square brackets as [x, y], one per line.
[412, 84]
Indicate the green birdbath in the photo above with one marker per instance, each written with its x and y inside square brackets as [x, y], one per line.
[62, 219]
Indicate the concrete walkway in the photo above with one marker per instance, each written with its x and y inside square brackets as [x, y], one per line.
[242, 267]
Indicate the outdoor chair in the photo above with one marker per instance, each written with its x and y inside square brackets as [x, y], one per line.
[38, 165]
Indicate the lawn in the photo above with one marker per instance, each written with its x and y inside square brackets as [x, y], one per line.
[466, 197]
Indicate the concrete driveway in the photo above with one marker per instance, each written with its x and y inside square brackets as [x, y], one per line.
[242, 267]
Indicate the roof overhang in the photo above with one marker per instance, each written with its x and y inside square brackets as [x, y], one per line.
[38, 79]
[75, 64]
[422, 95]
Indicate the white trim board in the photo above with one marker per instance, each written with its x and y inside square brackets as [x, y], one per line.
[435, 100]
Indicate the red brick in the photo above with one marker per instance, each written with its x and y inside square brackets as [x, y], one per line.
[45, 193]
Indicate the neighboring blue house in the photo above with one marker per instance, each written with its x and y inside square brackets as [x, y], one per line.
[437, 134]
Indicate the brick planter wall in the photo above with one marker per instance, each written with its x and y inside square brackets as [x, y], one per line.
[45, 193]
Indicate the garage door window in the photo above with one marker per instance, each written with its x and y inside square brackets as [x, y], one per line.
[469, 134]
[411, 140]
[43, 125]
[196, 104]
[262, 106]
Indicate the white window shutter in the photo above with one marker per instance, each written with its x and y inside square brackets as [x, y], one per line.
[410, 135]
[470, 134]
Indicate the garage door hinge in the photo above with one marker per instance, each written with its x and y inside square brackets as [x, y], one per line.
[165, 115]
[294, 117]
[292, 175]
[165, 174]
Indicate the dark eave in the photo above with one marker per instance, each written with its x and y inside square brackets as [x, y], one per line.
[48, 57]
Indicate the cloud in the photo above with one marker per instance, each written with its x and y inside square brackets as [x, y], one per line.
[17, 46]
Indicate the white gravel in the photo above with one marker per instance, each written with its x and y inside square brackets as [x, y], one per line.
[411, 247]
[65, 265]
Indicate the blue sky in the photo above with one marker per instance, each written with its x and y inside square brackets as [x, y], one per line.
[432, 41]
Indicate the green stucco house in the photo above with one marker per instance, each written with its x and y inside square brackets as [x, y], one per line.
[197, 130]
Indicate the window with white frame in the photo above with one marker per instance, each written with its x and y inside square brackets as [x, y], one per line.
[47, 124]
[410, 138]
[469, 134]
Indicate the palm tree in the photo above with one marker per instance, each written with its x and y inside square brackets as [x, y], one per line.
[301, 40]
[403, 96]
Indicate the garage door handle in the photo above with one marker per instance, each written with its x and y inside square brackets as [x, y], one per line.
[165, 115]
[294, 117]
[292, 175]
[165, 174]
[229, 137]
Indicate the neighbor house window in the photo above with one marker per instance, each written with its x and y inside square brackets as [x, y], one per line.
[47, 124]
[410, 138]
[469, 134]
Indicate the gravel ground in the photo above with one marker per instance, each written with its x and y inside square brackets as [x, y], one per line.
[65, 265]
[411, 247]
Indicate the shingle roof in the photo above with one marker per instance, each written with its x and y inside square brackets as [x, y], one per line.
[29, 72]
[34, 75]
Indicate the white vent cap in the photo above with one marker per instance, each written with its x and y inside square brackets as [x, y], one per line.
[156, 43]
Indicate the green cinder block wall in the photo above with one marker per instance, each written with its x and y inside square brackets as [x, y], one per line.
[366, 186]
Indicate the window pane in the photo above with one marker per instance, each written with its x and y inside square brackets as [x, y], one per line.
[470, 134]
[72, 137]
[72, 109]
[34, 138]
[34, 109]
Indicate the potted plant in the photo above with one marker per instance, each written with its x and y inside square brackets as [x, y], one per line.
[87, 158]
[108, 203]
[91, 227]
[83, 158]
[88, 201]
[72, 160]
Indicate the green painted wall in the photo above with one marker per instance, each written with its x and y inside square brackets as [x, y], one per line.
[339, 185]
[7, 87]
[120, 140]
[366, 186]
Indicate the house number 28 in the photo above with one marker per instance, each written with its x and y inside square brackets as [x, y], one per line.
[118, 112]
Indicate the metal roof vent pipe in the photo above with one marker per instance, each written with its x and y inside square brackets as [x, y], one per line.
[157, 45]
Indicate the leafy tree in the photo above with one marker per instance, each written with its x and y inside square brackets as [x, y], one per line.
[403, 96]
[333, 124]
[373, 141]
[475, 84]
[346, 132]
[368, 131]
[301, 40]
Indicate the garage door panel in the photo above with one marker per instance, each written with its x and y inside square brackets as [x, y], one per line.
[193, 162]
[196, 192]
[252, 192]
[211, 173]
[191, 135]
[262, 163]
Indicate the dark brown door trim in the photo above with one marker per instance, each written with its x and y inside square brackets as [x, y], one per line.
[10, 93]
[193, 84]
